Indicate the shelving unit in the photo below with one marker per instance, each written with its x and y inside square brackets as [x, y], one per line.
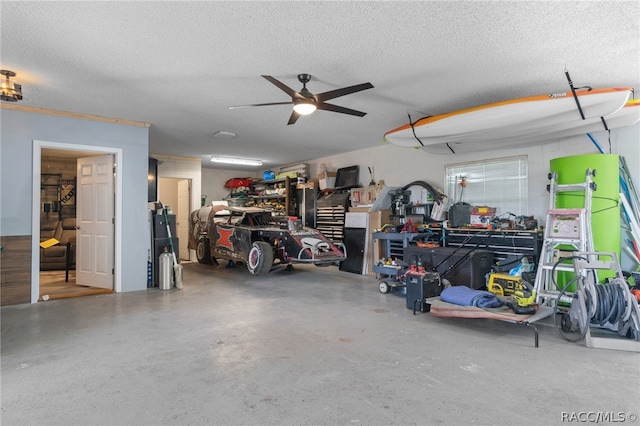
[50, 192]
[53, 197]
[263, 195]
[394, 244]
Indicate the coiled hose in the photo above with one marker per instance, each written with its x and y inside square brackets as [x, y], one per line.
[607, 303]
[613, 303]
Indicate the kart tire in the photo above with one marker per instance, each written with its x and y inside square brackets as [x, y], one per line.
[260, 258]
[384, 287]
[203, 252]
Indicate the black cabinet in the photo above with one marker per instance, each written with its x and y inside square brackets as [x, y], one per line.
[503, 243]
[354, 242]
[306, 199]
[160, 225]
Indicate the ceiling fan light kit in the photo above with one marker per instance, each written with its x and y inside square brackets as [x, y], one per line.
[304, 107]
[304, 102]
[10, 92]
[233, 160]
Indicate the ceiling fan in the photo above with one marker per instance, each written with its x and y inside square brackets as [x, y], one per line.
[304, 102]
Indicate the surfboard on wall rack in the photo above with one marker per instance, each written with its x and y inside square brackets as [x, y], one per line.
[625, 116]
[516, 118]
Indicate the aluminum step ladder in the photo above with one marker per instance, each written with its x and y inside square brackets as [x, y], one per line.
[566, 231]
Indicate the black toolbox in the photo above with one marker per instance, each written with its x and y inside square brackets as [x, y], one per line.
[460, 266]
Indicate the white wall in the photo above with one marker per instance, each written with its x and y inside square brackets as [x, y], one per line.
[400, 166]
[19, 131]
[168, 192]
[625, 142]
[213, 181]
[181, 168]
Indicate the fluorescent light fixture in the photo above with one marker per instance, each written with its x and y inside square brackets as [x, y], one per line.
[232, 160]
[224, 135]
[304, 107]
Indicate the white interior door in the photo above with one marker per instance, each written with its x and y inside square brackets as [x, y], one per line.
[182, 217]
[95, 221]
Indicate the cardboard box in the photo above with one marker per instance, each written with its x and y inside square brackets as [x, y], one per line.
[307, 185]
[376, 220]
[481, 216]
[361, 196]
[379, 218]
[327, 180]
[357, 195]
[360, 209]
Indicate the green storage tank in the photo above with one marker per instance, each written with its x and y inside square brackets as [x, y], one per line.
[605, 211]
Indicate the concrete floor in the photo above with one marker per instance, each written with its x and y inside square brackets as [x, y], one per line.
[311, 347]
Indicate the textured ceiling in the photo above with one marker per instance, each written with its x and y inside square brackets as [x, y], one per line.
[180, 65]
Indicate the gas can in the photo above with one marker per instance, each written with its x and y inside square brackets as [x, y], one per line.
[165, 279]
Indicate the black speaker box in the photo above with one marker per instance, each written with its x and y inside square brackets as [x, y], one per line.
[460, 215]
[420, 287]
[460, 266]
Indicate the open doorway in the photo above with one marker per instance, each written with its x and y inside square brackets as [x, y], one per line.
[176, 194]
[55, 211]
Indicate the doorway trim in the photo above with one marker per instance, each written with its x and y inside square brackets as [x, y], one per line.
[35, 209]
[176, 210]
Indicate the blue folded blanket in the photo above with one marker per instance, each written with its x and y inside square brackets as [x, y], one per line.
[465, 296]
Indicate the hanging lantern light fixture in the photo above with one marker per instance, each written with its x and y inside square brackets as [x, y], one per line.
[10, 92]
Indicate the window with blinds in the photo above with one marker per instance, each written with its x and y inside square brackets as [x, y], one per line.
[499, 183]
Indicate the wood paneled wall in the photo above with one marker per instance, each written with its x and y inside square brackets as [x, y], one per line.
[15, 270]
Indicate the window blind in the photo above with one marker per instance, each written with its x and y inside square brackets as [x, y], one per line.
[499, 183]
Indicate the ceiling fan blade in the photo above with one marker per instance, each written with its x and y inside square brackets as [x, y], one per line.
[331, 94]
[256, 105]
[342, 110]
[294, 117]
[288, 90]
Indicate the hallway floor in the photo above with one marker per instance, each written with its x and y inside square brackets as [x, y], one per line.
[54, 285]
[315, 346]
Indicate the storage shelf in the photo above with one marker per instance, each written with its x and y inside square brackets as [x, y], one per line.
[268, 197]
[394, 244]
[288, 198]
[385, 270]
